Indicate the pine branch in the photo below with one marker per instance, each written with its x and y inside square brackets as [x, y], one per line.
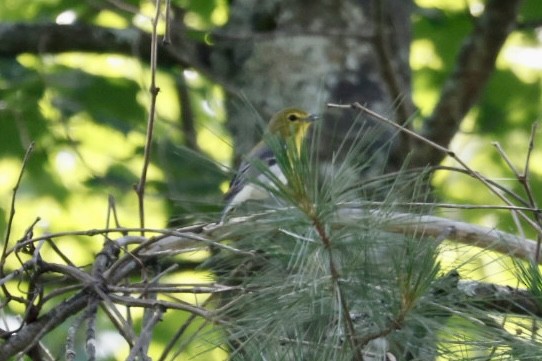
[396, 222]
[486, 296]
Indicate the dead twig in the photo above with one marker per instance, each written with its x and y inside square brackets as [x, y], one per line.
[537, 227]
[154, 90]
[12, 215]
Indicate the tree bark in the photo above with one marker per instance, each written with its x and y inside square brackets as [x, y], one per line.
[301, 53]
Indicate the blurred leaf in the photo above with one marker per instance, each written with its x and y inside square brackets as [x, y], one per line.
[446, 34]
[531, 11]
[508, 103]
[20, 118]
[117, 176]
[40, 179]
[203, 8]
[192, 181]
[37, 10]
[109, 101]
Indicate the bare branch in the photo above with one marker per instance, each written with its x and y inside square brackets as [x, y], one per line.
[12, 208]
[430, 226]
[154, 90]
[31, 333]
[445, 151]
[50, 38]
[146, 334]
[499, 298]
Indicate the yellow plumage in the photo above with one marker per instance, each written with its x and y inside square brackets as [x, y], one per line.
[290, 124]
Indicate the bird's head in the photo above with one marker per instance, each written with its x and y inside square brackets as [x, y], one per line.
[291, 122]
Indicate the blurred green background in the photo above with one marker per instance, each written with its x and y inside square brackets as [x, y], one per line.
[87, 115]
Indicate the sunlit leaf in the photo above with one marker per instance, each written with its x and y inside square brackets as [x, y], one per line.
[109, 101]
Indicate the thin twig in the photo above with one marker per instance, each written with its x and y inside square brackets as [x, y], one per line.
[92, 314]
[60, 291]
[524, 180]
[89, 232]
[154, 90]
[112, 210]
[69, 352]
[146, 334]
[335, 275]
[193, 289]
[61, 254]
[183, 306]
[125, 328]
[189, 340]
[444, 150]
[167, 33]
[505, 157]
[416, 171]
[12, 208]
[526, 169]
[9, 225]
[173, 339]
[372, 204]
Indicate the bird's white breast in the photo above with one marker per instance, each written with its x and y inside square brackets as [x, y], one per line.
[254, 191]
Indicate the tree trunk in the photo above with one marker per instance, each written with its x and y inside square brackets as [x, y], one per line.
[304, 53]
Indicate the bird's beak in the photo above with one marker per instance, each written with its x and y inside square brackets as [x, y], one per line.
[313, 117]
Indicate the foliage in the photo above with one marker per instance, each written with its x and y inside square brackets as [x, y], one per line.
[86, 114]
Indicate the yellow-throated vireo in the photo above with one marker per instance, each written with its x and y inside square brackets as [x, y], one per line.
[291, 125]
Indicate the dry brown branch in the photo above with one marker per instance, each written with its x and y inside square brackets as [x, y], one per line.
[437, 148]
[154, 90]
[12, 213]
[116, 292]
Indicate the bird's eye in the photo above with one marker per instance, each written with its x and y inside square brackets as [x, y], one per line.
[292, 117]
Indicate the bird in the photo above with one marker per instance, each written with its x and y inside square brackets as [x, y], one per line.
[289, 125]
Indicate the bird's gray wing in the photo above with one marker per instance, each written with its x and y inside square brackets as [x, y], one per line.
[247, 170]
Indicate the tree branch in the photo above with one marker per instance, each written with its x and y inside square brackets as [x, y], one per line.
[32, 333]
[491, 297]
[504, 299]
[50, 38]
[466, 233]
[475, 64]
[401, 223]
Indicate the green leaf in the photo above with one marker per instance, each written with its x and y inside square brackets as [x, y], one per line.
[109, 101]
[192, 180]
[117, 176]
[508, 102]
[20, 118]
